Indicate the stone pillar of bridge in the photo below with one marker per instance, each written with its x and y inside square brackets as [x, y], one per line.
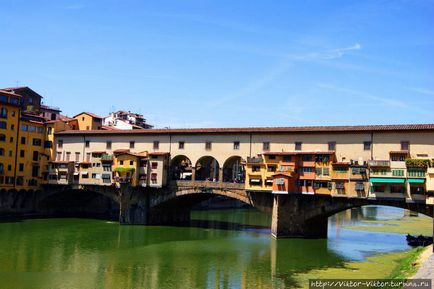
[133, 206]
[291, 218]
[193, 174]
[220, 174]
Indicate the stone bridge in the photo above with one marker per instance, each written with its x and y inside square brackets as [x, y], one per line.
[293, 215]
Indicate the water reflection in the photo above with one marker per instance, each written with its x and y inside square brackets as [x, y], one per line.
[76, 253]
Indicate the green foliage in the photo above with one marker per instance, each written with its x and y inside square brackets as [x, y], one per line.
[124, 170]
[406, 267]
[418, 163]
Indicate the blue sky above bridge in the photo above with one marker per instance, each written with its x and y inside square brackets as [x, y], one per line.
[226, 63]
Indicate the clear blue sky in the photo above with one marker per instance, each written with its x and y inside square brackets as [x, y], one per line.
[226, 63]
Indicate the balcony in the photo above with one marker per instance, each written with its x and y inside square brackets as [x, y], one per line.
[106, 158]
[379, 164]
[254, 160]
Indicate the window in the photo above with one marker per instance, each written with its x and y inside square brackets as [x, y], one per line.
[154, 165]
[121, 163]
[87, 144]
[266, 146]
[271, 168]
[24, 127]
[131, 163]
[50, 131]
[2, 151]
[405, 145]
[307, 170]
[378, 189]
[298, 146]
[306, 158]
[2, 137]
[12, 126]
[132, 144]
[9, 167]
[318, 171]
[108, 145]
[68, 156]
[32, 128]
[417, 190]
[367, 145]
[398, 173]
[40, 129]
[271, 157]
[255, 182]
[416, 173]
[11, 139]
[287, 158]
[326, 171]
[77, 157]
[3, 125]
[285, 168]
[23, 140]
[10, 153]
[60, 143]
[401, 158]
[154, 178]
[236, 145]
[394, 158]
[3, 112]
[256, 168]
[35, 156]
[181, 145]
[37, 142]
[22, 153]
[35, 171]
[156, 144]
[208, 145]
[332, 145]
[360, 186]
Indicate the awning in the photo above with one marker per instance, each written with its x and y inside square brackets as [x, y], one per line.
[84, 173]
[387, 180]
[75, 173]
[255, 180]
[416, 181]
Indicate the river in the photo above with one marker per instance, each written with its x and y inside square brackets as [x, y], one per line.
[227, 249]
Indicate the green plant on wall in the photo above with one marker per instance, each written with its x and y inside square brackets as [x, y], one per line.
[418, 163]
[124, 170]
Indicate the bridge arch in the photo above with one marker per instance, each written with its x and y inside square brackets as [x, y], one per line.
[207, 168]
[233, 170]
[84, 202]
[181, 168]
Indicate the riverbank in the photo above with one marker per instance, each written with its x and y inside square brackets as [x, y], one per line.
[421, 225]
[395, 265]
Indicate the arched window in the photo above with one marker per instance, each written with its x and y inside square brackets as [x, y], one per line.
[2, 137]
[3, 124]
[3, 112]
[2, 151]
[1, 168]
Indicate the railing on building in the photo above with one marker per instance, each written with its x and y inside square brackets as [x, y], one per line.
[379, 163]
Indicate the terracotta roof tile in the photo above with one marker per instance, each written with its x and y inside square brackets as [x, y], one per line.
[89, 113]
[301, 129]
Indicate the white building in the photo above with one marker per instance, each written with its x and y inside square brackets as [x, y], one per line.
[126, 120]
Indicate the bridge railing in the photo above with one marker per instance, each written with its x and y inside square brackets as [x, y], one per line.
[207, 184]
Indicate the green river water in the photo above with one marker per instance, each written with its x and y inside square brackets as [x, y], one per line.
[217, 253]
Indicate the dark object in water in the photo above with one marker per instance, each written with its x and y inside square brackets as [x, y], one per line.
[420, 240]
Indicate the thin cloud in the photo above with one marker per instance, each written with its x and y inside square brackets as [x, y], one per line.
[421, 90]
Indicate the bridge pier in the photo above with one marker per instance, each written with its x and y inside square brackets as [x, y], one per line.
[290, 218]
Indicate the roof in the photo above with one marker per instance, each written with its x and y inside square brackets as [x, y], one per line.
[158, 153]
[104, 127]
[9, 93]
[286, 174]
[300, 153]
[90, 114]
[14, 89]
[301, 129]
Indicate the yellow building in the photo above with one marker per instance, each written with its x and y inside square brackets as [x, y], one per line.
[129, 168]
[9, 127]
[88, 121]
[32, 159]
[54, 126]
[323, 170]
